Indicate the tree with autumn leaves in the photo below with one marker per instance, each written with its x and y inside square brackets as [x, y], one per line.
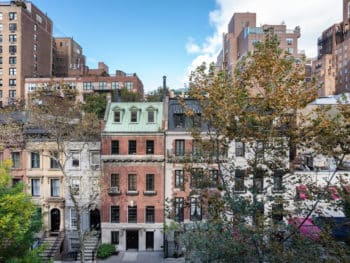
[260, 108]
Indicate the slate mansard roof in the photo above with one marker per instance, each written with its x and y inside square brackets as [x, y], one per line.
[142, 124]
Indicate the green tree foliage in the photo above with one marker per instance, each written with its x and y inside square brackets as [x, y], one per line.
[19, 220]
[259, 106]
[96, 103]
[157, 95]
[129, 96]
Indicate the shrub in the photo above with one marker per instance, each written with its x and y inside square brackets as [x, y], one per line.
[105, 250]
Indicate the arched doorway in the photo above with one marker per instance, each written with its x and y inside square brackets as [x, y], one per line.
[55, 220]
[95, 220]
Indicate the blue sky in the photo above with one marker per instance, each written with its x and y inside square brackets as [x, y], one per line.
[170, 37]
[146, 37]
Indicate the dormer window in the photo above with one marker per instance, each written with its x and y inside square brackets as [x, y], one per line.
[150, 116]
[117, 116]
[133, 116]
[151, 111]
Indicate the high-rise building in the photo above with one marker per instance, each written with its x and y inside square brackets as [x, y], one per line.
[331, 66]
[68, 58]
[25, 47]
[243, 34]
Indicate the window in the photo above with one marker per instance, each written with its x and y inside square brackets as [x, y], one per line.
[196, 148]
[1, 27]
[0, 82]
[35, 187]
[129, 85]
[35, 37]
[115, 214]
[1, 60]
[75, 186]
[260, 149]
[75, 159]
[150, 214]
[16, 160]
[12, 26]
[53, 160]
[35, 47]
[150, 116]
[12, 71]
[240, 148]
[132, 214]
[277, 213]
[290, 50]
[133, 116]
[179, 179]
[12, 49]
[179, 209]
[117, 116]
[132, 147]
[35, 160]
[55, 187]
[258, 181]
[149, 147]
[1, 38]
[196, 120]
[179, 147]
[12, 16]
[289, 41]
[149, 182]
[196, 211]
[214, 178]
[102, 85]
[115, 85]
[12, 82]
[1, 16]
[35, 27]
[73, 219]
[115, 180]
[13, 38]
[278, 180]
[196, 177]
[115, 237]
[114, 147]
[132, 182]
[12, 93]
[87, 85]
[0, 93]
[239, 181]
[179, 120]
[95, 159]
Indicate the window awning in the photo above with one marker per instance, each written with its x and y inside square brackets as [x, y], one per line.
[308, 229]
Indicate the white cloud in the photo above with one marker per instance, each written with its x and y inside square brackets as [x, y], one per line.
[313, 16]
[192, 47]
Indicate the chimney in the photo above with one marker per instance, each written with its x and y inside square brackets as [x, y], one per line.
[164, 88]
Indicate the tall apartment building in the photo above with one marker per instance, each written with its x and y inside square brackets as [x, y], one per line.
[25, 48]
[243, 34]
[68, 58]
[331, 67]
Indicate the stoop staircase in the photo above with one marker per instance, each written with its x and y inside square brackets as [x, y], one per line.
[90, 246]
[53, 243]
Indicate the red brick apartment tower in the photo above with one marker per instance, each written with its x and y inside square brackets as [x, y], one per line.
[26, 48]
[132, 188]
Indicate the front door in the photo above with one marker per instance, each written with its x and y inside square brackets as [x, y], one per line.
[132, 239]
[55, 220]
[150, 240]
[95, 221]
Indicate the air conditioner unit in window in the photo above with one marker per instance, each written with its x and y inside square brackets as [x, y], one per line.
[114, 189]
[95, 166]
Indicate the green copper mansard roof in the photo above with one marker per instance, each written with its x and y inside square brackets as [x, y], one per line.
[134, 117]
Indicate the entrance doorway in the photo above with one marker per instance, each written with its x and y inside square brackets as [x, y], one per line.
[55, 220]
[95, 221]
[150, 240]
[132, 239]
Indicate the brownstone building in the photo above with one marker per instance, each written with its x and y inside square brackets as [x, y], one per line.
[243, 34]
[25, 49]
[331, 66]
[132, 191]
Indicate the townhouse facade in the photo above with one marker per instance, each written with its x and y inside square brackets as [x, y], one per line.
[132, 192]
